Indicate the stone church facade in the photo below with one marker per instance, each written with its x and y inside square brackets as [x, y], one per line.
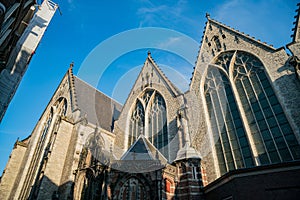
[235, 132]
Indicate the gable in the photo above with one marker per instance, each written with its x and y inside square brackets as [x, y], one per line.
[219, 38]
[150, 77]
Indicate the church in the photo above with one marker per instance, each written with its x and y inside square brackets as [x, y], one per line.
[235, 134]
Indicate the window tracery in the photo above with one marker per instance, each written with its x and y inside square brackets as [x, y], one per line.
[149, 117]
[268, 124]
[231, 145]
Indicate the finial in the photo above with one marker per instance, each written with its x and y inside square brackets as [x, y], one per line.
[149, 53]
[71, 64]
[207, 15]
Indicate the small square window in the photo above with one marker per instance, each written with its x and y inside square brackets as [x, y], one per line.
[246, 152]
[273, 100]
[285, 154]
[259, 115]
[240, 132]
[281, 118]
[270, 145]
[286, 129]
[264, 103]
[274, 157]
[277, 109]
[276, 132]
[266, 135]
[264, 159]
[280, 143]
[262, 76]
[291, 140]
[296, 151]
[243, 141]
[262, 125]
[249, 162]
[255, 106]
[269, 91]
[268, 112]
[272, 122]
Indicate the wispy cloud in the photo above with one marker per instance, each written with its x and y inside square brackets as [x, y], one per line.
[71, 5]
[171, 41]
[153, 14]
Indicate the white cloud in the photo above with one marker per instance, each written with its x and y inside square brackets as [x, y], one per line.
[171, 41]
[163, 14]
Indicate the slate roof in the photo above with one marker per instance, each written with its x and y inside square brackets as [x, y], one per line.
[141, 157]
[98, 108]
[142, 149]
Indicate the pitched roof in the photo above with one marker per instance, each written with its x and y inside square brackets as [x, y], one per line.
[141, 157]
[142, 149]
[99, 108]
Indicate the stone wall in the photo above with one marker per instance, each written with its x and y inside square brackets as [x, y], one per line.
[280, 74]
[10, 173]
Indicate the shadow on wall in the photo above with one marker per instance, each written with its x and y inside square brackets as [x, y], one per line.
[49, 190]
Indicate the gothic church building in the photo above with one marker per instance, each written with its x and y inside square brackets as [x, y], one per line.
[235, 134]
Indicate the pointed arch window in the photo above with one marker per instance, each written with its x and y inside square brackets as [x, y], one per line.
[149, 117]
[269, 126]
[137, 122]
[231, 144]
[133, 188]
[46, 126]
[273, 138]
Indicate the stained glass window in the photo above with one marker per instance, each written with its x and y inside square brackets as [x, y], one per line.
[149, 117]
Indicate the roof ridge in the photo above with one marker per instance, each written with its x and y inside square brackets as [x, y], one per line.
[148, 146]
[89, 85]
[241, 33]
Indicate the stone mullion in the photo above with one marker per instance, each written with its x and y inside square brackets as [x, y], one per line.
[264, 117]
[240, 107]
[217, 126]
[262, 88]
[226, 136]
[256, 123]
[237, 138]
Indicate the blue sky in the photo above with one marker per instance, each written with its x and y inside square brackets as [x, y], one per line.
[84, 25]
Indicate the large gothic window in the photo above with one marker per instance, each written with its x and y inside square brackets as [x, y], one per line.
[231, 144]
[273, 138]
[149, 117]
[137, 122]
[46, 126]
